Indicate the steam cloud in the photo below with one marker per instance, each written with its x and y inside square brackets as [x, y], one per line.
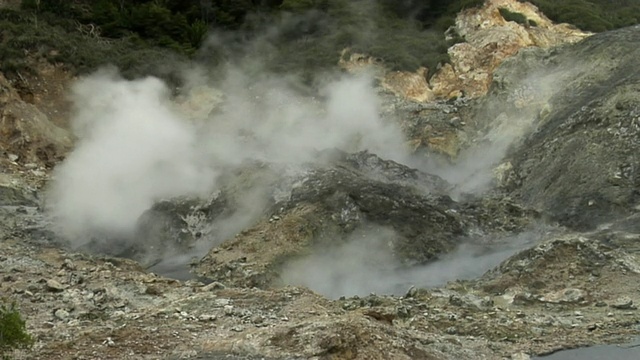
[364, 264]
[133, 149]
[137, 144]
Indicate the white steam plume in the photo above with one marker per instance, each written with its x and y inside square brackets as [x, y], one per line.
[137, 146]
[268, 119]
[365, 264]
[132, 150]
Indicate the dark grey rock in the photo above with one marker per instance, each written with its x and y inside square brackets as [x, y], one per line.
[580, 164]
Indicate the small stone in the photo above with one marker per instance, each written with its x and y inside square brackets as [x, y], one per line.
[221, 302]
[451, 330]
[213, 286]
[68, 264]
[520, 356]
[523, 298]
[153, 290]
[54, 286]
[13, 157]
[412, 292]
[601, 304]
[237, 328]
[207, 318]
[120, 304]
[455, 300]
[592, 327]
[623, 303]
[73, 322]
[403, 312]
[565, 296]
[61, 314]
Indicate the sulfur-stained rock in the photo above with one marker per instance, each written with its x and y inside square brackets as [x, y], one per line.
[412, 86]
[489, 40]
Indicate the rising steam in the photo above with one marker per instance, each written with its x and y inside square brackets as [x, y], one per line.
[365, 264]
[138, 144]
[133, 150]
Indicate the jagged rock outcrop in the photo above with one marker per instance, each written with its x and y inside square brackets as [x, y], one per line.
[431, 103]
[487, 40]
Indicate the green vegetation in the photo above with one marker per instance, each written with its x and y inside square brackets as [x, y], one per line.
[13, 333]
[27, 37]
[516, 17]
[592, 15]
[285, 35]
[133, 35]
[513, 16]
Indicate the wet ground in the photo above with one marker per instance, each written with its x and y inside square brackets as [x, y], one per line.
[610, 352]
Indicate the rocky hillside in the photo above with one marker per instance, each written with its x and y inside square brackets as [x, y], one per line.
[485, 211]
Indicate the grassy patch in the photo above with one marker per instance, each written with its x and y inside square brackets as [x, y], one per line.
[13, 332]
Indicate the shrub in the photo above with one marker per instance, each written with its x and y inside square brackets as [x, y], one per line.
[13, 333]
[513, 16]
[592, 15]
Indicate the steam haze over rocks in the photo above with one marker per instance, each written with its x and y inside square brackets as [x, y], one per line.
[318, 180]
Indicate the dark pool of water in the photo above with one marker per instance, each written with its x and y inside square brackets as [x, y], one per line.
[606, 352]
